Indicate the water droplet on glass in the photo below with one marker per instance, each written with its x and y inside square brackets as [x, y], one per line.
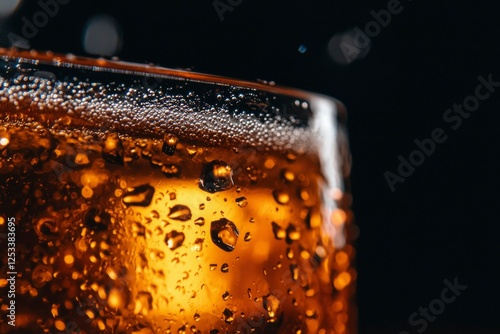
[172, 196]
[180, 212]
[212, 266]
[228, 316]
[242, 202]
[171, 170]
[292, 233]
[200, 221]
[143, 303]
[113, 149]
[247, 237]
[198, 245]
[279, 232]
[224, 234]
[216, 176]
[196, 317]
[224, 268]
[169, 144]
[294, 270]
[202, 206]
[271, 305]
[281, 196]
[140, 196]
[174, 239]
[287, 175]
[226, 295]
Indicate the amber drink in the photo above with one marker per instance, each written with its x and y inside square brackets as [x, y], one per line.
[148, 200]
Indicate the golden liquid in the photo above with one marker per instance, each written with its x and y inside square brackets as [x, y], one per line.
[137, 235]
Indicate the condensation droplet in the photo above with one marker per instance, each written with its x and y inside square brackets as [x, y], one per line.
[169, 144]
[278, 231]
[247, 237]
[281, 196]
[212, 266]
[242, 202]
[140, 196]
[216, 176]
[180, 212]
[171, 170]
[174, 239]
[287, 175]
[224, 234]
[200, 221]
[198, 245]
[292, 233]
[113, 149]
[271, 305]
[228, 316]
[224, 268]
[294, 270]
[226, 295]
[143, 303]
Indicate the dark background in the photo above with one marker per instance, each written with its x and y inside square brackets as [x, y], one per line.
[442, 222]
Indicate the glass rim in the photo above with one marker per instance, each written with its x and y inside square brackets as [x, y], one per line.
[100, 64]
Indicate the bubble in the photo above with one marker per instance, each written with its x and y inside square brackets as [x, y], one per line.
[174, 239]
[96, 220]
[212, 266]
[41, 275]
[281, 196]
[224, 234]
[180, 212]
[169, 144]
[242, 202]
[172, 196]
[278, 231]
[216, 176]
[224, 268]
[196, 317]
[113, 149]
[247, 237]
[140, 196]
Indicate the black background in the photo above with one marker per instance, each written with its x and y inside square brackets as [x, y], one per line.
[442, 222]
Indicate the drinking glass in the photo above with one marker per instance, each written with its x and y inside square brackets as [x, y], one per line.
[140, 199]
